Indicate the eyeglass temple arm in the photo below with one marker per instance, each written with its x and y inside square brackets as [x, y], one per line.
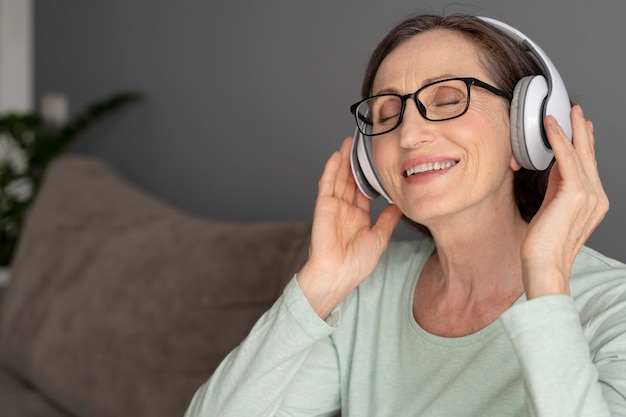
[364, 119]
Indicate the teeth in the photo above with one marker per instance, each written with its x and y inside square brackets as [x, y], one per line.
[429, 166]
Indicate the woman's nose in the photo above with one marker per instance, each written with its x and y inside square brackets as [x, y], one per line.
[414, 128]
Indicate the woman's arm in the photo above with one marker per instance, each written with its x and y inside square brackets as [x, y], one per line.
[574, 204]
[257, 378]
[345, 247]
[562, 377]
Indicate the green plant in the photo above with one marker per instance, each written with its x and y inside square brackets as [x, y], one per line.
[27, 146]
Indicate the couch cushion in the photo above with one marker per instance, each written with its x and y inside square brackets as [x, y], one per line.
[121, 305]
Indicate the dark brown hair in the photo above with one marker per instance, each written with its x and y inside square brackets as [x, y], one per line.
[500, 55]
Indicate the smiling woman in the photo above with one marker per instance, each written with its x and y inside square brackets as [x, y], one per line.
[502, 287]
[472, 135]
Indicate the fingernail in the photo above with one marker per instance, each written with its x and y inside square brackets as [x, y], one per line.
[579, 110]
[551, 123]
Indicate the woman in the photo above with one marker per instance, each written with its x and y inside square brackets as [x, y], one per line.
[501, 312]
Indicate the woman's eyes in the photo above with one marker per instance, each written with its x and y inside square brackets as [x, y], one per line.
[390, 110]
[446, 96]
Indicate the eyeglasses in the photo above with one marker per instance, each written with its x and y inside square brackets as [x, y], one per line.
[438, 101]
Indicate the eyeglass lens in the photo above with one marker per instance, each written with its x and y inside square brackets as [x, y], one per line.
[440, 101]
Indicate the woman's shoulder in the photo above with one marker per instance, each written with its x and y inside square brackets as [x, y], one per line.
[597, 282]
[589, 258]
[591, 268]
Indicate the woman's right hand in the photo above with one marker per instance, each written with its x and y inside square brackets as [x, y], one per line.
[345, 247]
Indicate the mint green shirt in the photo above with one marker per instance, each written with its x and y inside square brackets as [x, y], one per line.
[555, 356]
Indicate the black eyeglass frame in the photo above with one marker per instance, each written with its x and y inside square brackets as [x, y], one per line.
[469, 82]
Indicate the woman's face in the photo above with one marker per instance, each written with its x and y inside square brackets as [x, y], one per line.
[472, 152]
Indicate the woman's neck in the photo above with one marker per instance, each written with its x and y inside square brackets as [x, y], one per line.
[473, 276]
[475, 252]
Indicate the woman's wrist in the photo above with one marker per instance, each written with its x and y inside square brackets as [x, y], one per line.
[321, 290]
[543, 278]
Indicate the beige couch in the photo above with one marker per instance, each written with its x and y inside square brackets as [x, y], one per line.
[120, 305]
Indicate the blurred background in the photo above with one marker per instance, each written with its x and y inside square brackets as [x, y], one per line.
[245, 100]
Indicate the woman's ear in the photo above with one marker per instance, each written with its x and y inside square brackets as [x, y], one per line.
[514, 165]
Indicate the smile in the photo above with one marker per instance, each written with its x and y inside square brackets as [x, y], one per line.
[429, 166]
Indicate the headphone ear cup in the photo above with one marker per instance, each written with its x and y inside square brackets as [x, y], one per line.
[526, 114]
[357, 171]
[363, 168]
[534, 98]
[517, 123]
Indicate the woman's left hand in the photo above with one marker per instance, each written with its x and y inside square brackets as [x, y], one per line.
[574, 204]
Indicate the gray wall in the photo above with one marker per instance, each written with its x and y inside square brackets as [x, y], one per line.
[245, 100]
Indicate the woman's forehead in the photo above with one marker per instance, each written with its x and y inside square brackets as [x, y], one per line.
[426, 57]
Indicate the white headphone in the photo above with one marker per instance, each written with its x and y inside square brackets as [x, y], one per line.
[534, 97]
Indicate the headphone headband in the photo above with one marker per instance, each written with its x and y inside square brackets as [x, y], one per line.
[557, 103]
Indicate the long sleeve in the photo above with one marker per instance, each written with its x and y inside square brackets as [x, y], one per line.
[265, 375]
[562, 375]
[553, 356]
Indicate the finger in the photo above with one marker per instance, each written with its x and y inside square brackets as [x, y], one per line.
[342, 181]
[568, 173]
[326, 185]
[588, 157]
[583, 140]
[584, 144]
[360, 200]
[574, 164]
[602, 203]
[387, 221]
[351, 191]
[577, 166]
[563, 149]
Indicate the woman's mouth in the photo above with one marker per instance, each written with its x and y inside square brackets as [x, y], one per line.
[428, 167]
